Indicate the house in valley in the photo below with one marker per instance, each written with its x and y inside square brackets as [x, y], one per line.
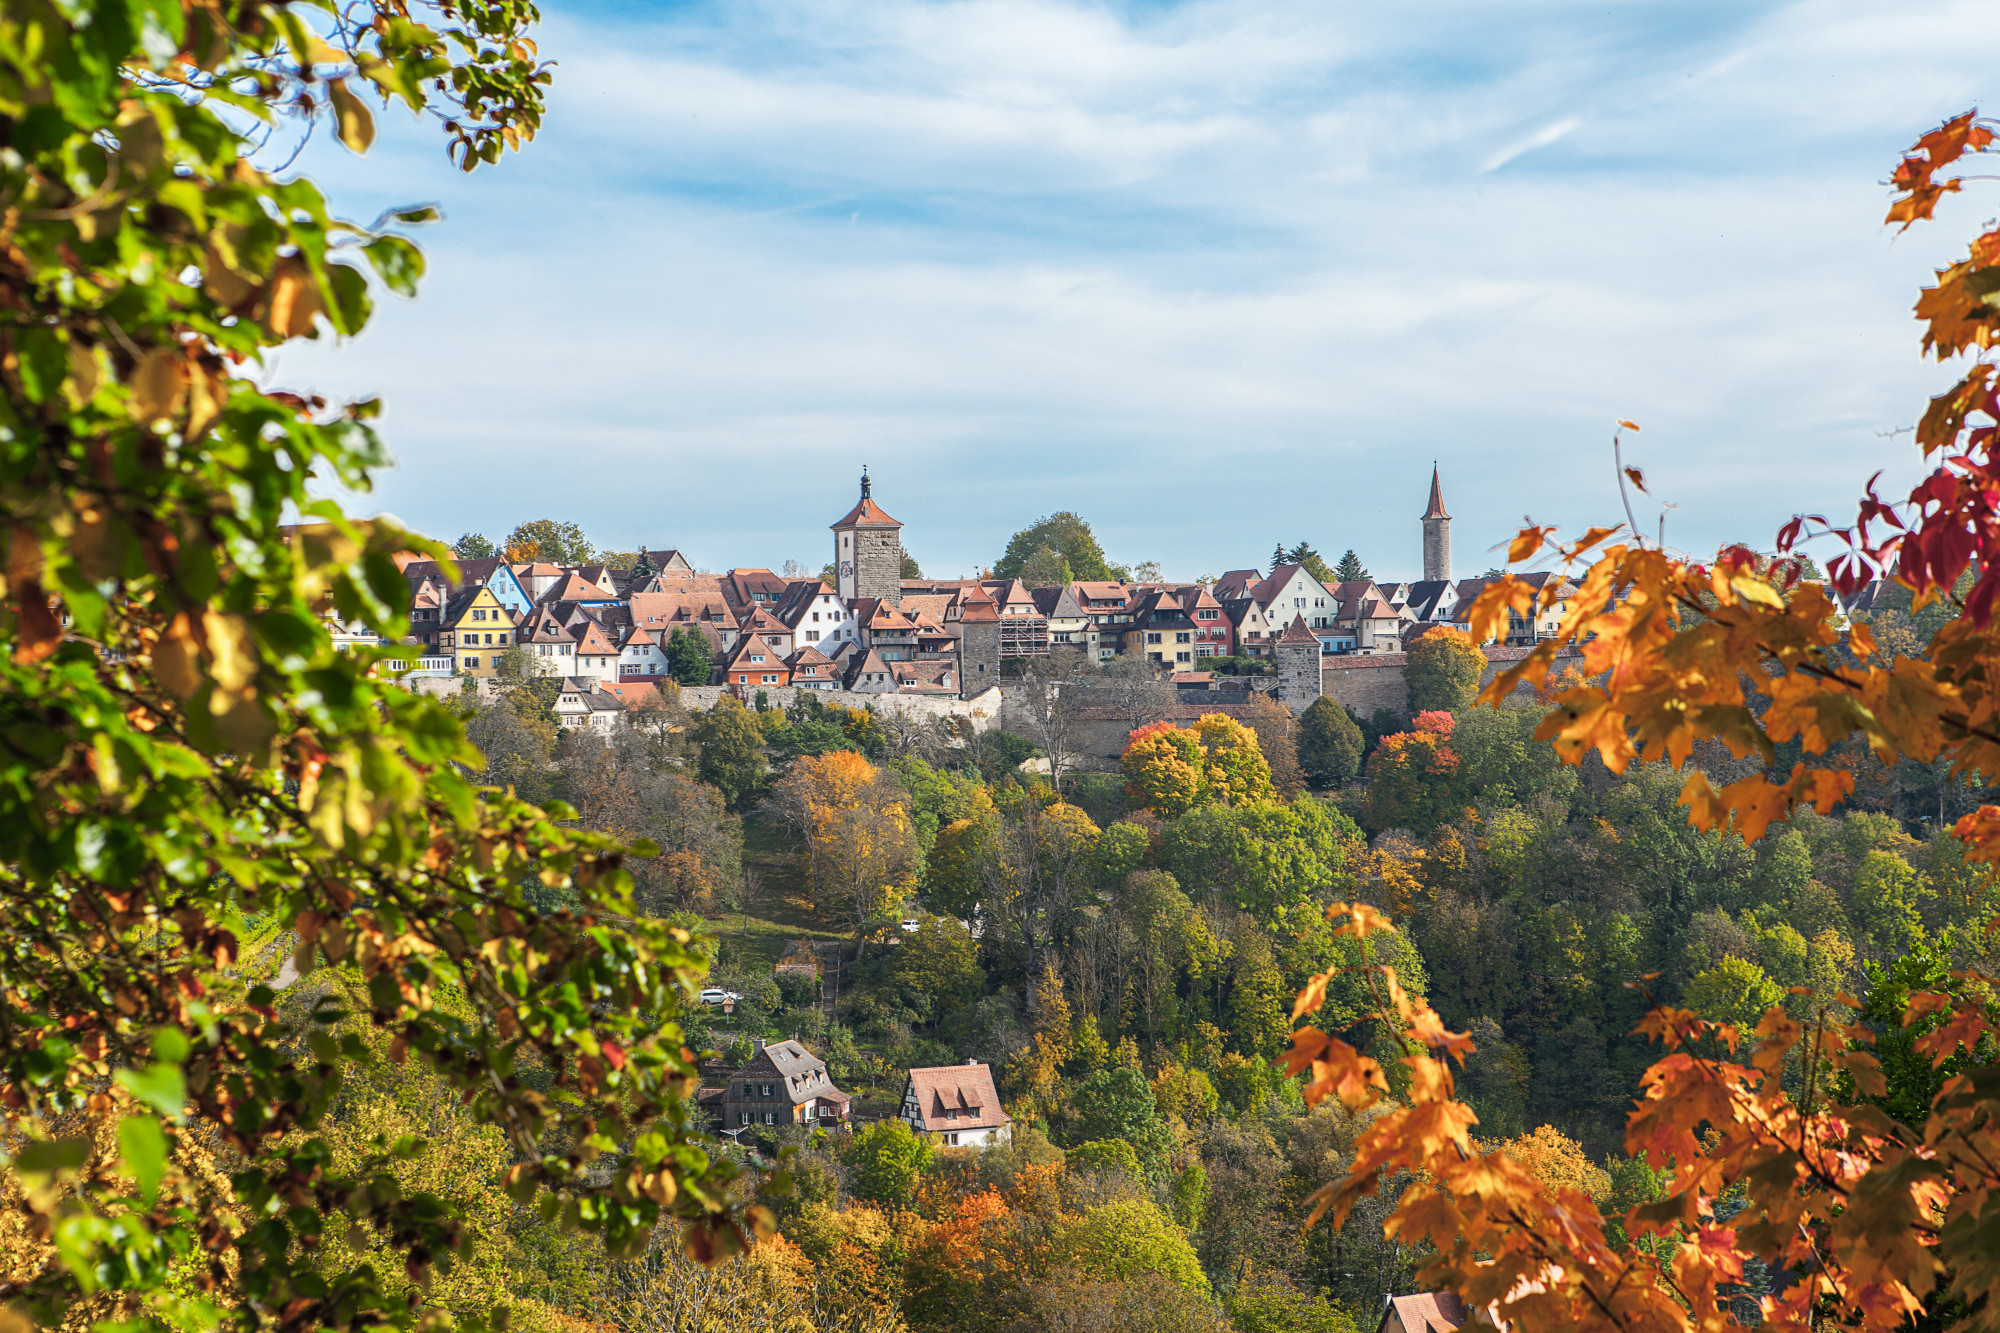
[956, 1106]
[784, 1084]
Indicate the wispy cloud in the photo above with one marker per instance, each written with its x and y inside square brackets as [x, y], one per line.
[1213, 273]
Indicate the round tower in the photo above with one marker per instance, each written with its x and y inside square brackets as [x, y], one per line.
[1437, 535]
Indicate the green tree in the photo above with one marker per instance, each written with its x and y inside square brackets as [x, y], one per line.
[1046, 568]
[732, 753]
[196, 782]
[1274, 1309]
[1329, 744]
[1350, 569]
[1311, 561]
[1064, 533]
[937, 966]
[911, 569]
[1443, 671]
[689, 658]
[1116, 1242]
[888, 1159]
[546, 539]
[1734, 991]
[473, 546]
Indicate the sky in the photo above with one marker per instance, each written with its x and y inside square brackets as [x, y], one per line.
[1214, 275]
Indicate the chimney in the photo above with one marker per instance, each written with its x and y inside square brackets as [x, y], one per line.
[760, 1046]
[972, 1062]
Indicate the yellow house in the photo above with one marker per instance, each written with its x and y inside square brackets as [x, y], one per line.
[477, 628]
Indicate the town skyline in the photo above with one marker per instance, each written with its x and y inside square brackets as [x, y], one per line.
[1265, 260]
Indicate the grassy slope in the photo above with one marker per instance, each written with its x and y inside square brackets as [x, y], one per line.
[781, 911]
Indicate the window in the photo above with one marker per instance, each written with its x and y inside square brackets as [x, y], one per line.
[756, 657]
[472, 663]
[742, 1117]
[1153, 638]
[770, 1117]
[477, 614]
[1183, 657]
[1319, 601]
[1298, 601]
[770, 679]
[1180, 638]
[763, 1089]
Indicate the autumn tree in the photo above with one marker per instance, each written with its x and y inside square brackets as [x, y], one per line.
[861, 852]
[547, 540]
[1412, 776]
[1329, 744]
[1874, 1219]
[1443, 670]
[190, 760]
[1277, 734]
[1170, 769]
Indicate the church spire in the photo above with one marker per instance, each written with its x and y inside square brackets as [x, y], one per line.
[864, 481]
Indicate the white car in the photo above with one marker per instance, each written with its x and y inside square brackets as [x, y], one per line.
[911, 925]
[715, 995]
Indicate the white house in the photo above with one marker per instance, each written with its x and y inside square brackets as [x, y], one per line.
[956, 1106]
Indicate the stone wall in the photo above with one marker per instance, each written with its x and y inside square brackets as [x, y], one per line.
[1365, 684]
[983, 709]
[878, 564]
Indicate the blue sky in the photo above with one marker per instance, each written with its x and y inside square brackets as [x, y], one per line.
[1214, 275]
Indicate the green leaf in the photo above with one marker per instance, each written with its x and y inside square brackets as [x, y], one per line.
[398, 261]
[143, 1145]
[170, 1045]
[160, 1086]
[44, 363]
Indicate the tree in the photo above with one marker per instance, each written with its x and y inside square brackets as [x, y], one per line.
[1122, 1240]
[689, 659]
[1064, 533]
[189, 758]
[1278, 740]
[1053, 694]
[1329, 744]
[1413, 778]
[1046, 568]
[888, 1159]
[1875, 1221]
[732, 753]
[473, 546]
[911, 569]
[547, 540]
[861, 848]
[1350, 569]
[1304, 556]
[1734, 991]
[1443, 670]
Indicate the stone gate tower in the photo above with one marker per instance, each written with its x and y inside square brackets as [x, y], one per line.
[868, 552]
[1437, 535]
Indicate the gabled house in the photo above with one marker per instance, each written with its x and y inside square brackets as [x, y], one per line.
[1214, 635]
[812, 669]
[1431, 1312]
[754, 664]
[476, 628]
[546, 639]
[580, 705]
[537, 577]
[814, 615]
[885, 629]
[1252, 630]
[596, 655]
[867, 673]
[763, 621]
[1290, 591]
[745, 588]
[1069, 627]
[784, 1084]
[955, 1106]
[642, 654]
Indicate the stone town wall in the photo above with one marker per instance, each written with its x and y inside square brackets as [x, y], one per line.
[982, 709]
[1365, 684]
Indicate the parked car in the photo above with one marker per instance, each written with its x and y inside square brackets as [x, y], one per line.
[715, 995]
[910, 925]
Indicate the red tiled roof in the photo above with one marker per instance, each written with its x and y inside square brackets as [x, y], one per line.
[1296, 632]
[866, 514]
[965, 1089]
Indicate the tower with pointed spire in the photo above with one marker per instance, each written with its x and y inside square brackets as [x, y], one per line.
[1437, 534]
[868, 551]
